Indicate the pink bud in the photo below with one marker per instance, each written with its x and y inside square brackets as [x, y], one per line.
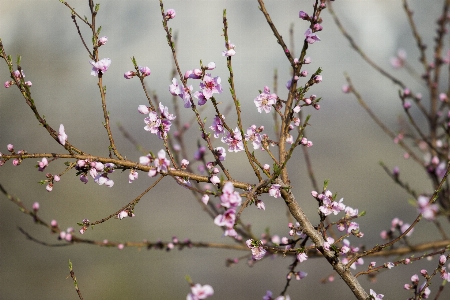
[304, 73]
[10, 147]
[211, 66]
[49, 187]
[317, 27]
[442, 259]
[205, 199]
[145, 71]
[406, 104]
[302, 15]
[53, 223]
[36, 206]
[129, 74]
[170, 14]
[317, 78]
[102, 40]
[8, 84]
[143, 109]
[16, 162]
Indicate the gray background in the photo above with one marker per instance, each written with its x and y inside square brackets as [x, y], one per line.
[347, 144]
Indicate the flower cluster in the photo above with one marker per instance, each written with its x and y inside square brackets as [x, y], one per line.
[161, 163]
[144, 72]
[230, 200]
[208, 86]
[257, 249]
[397, 227]
[17, 76]
[157, 124]
[328, 206]
[97, 170]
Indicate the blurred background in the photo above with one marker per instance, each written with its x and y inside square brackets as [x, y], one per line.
[347, 149]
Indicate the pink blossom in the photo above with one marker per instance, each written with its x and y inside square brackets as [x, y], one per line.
[226, 219]
[205, 199]
[331, 207]
[375, 295]
[8, 84]
[253, 135]
[350, 212]
[162, 163]
[211, 66]
[100, 66]
[427, 210]
[302, 256]
[230, 49]
[210, 86]
[17, 74]
[398, 61]
[42, 164]
[230, 198]
[200, 97]
[274, 191]
[62, 136]
[214, 179]
[265, 100]
[221, 153]
[217, 126]
[199, 292]
[153, 122]
[145, 71]
[102, 40]
[234, 141]
[170, 14]
[300, 275]
[132, 176]
[260, 205]
[129, 74]
[329, 241]
[258, 252]
[311, 37]
[317, 78]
